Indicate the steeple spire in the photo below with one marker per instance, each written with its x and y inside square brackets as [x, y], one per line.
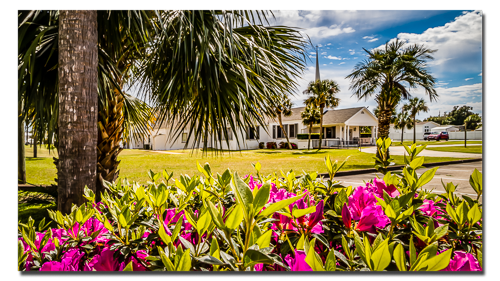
[317, 65]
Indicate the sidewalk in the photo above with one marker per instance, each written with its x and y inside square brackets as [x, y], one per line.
[399, 150]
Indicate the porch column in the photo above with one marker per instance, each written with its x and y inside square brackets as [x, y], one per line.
[347, 132]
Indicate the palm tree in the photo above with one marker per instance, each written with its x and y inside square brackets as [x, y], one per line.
[323, 95]
[310, 116]
[472, 122]
[390, 71]
[222, 65]
[403, 120]
[283, 107]
[415, 106]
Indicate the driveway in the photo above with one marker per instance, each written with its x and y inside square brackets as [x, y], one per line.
[399, 150]
[456, 173]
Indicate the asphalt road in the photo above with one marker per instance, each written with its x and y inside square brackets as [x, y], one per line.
[456, 173]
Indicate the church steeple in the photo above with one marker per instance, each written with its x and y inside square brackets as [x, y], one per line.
[317, 65]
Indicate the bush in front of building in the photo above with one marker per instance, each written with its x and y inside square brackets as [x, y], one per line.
[271, 145]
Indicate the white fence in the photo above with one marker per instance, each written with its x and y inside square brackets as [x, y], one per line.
[471, 135]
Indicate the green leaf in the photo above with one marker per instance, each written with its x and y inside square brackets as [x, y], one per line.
[390, 212]
[243, 193]
[297, 213]
[381, 257]
[313, 259]
[163, 234]
[437, 263]
[129, 267]
[474, 214]
[399, 257]
[451, 212]
[122, 220]
[271, 209]
[413, 252]
[216, 216]
[234, 219]
[265, 239]
[185, 262]
[166, 261]
[426, 177]
[331, 262]
[261, 197]
[417, 162]
[253, 257]
[203, 223]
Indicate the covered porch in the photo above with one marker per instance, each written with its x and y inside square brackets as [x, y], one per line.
[344, 136]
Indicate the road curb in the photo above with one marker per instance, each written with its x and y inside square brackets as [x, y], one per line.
[398, 167]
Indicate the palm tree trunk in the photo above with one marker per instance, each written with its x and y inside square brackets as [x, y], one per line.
[321, 126]
[284, 132]
[108, 144]
[35, 150]
[309, 142]
[384, 123]
[21, 152]
[414, 129]
[77, 123]
[465, 141]
[402, 134]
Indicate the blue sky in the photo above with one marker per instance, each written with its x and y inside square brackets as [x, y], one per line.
[341, 35]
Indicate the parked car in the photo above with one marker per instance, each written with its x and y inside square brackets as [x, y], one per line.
[426, 134]
[438, 136]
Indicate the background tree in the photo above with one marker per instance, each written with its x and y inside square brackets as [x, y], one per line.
[403, 120]
[323, 95]
[415, 106]
[437, 119]
[458, 115]
[391, 72]
[471, 122]
[283, 108]
[310, 116]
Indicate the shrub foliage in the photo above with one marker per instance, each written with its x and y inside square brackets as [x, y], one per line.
[226, 222]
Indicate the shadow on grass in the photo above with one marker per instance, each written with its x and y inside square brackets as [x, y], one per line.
[311, 152]
[35, 159]
[268, 152]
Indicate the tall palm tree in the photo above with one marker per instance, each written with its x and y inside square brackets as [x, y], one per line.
[284, 108]
[403, 120]
[310, 116]
[471, 122]
[415, 106]
[391, 72]
[77, 121]
[202, 68]
[323, 95]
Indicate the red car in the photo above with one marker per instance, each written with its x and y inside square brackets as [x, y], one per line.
[438, 136]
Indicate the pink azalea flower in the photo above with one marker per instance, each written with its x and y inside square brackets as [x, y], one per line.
[299, 262]
[463, 261]
[103, 262]
[380, 186]
[70, 261]
[361, 198]
[346, 216]
[371, 217]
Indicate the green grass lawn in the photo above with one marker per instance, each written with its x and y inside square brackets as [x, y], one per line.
[135, 163]
[469, 149]
[432, 142]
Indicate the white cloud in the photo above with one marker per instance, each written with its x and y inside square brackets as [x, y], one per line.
[373, 40]
[333, 57]
[312, 53]
[324, 64]
[368, 37]
[480, 74]
[342, 63]
[354, 58]
[465, 31]
[323, 32]
[331, 62]
[319, 45]
[352, 51]
[328, 48]
[467, 79]
[324, 53]
[345, 58]
[328, 44]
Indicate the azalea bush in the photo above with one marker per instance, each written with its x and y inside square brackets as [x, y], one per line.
[285, 222]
